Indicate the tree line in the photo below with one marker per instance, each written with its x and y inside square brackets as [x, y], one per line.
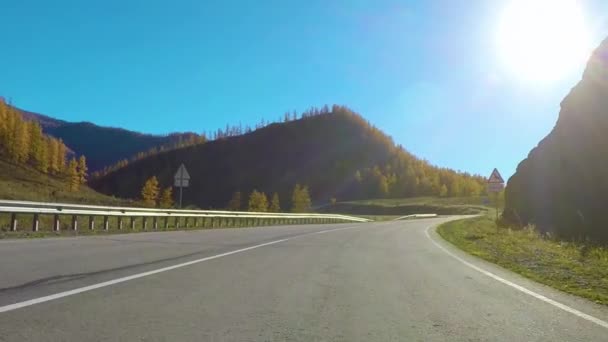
[23, 143]
[259, 201]
[152, 196]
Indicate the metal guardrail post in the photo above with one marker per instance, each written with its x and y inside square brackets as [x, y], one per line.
[14, 222]
[176, 222]
[120, 222]
[155, 223]
[35, 223]
[186, 222]
[132, 223]
[166, 222]
[144, 223]
[74, 222]
[56, 223]
[106, 223]
[91, 222]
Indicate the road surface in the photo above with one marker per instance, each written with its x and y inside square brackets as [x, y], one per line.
[390, 281]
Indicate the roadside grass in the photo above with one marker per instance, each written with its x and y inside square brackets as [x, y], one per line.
[575, 268]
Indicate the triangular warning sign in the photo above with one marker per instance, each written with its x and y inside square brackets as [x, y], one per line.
[495, 177]
[182, 173]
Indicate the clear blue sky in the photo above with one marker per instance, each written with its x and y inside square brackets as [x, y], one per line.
[426, 72]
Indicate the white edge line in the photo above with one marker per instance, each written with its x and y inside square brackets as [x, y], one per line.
[519, 287]
[59, 295]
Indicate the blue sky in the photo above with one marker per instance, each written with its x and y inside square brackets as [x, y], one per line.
[426, 72]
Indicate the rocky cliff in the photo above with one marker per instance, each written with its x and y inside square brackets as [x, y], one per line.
[562, 187]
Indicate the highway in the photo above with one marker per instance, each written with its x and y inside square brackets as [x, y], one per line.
[385, 281]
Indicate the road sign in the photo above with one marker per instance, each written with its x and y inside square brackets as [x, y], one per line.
[496, 184]
[182, 180]
[495, 177]
[495, 187]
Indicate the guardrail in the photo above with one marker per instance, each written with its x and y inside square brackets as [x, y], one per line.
[190, 218]
[415, 216]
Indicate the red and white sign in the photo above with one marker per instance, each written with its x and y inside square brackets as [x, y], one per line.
[496, 183]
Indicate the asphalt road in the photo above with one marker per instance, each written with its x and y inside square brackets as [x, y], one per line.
[393, 281]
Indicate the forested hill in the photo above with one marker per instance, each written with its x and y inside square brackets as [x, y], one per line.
[103, 146]
[336, 153]
[562, 186]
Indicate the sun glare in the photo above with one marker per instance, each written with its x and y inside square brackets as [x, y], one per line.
[543, 40]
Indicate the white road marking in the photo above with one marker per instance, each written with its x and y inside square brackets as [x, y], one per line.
[519, 287]
[59, 295]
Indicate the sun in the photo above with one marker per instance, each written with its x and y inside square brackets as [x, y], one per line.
[543, 40]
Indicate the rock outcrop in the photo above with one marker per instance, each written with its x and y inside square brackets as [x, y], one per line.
[562, 187]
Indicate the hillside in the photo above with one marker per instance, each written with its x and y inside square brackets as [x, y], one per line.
[103, 146]
[19, 182]
[337, 154]
[561, 187]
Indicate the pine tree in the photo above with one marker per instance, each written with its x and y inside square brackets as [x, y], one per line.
[258, 202]
[236, 201]
[300, 199]
[82, 170]
[275, 204]
[150, 192]
[166, 198]
[72, 175]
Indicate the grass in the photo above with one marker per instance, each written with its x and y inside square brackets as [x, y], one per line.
[575, 268]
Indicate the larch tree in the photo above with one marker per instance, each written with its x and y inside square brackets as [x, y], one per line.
[443, 191]
[166, 198]
[38, 148]
[275, 204]
[150, 192]
[53, 146]
[258, 202]
[73, 176]
[82, 170]
[236, 202]
[63, 151]
[22, 142]
[300, 199]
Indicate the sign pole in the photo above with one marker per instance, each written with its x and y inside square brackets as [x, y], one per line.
[182, 180]
[181, 190]
[497, 195]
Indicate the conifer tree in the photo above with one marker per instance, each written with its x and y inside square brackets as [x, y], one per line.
[258, 202]
[275, 204]
[150, 192]
[82, 170]
[73, 176]
[166, 198]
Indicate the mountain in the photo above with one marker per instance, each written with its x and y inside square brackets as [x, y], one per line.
[103, 146]
[561, 187]
[337, 154]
